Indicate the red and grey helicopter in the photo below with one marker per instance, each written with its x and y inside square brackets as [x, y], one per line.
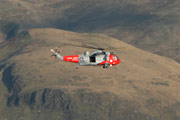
[96, 58]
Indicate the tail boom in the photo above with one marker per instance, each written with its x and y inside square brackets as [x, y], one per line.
[72, 58]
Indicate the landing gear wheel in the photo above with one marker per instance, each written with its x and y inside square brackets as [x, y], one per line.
[106, 65]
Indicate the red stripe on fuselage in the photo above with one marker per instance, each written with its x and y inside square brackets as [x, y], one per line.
[72, 58]
[103, 62]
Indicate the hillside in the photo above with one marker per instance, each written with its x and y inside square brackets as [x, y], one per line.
[152, 25]
[36, 86]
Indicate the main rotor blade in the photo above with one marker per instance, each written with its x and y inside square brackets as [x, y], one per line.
[115, 48]
[83, 46]
[91, 47]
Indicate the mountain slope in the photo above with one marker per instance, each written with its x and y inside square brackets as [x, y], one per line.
[37, 86]
[152, 25]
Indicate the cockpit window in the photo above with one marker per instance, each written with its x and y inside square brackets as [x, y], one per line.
[115, 58]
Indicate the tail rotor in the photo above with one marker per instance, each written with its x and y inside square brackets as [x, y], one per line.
[54, 52]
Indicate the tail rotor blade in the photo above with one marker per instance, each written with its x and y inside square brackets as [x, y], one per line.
[53, 51]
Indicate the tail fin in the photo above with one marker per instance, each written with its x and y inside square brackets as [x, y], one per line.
[56, 54]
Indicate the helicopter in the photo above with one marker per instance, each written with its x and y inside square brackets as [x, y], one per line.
[96, 58]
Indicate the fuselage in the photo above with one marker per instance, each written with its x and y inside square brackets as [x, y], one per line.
[93, 59]
[96, 58]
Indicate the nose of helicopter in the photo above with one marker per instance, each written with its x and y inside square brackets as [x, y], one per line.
[118, 61]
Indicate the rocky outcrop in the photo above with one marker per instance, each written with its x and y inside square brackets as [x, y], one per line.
[9, 28]
[13, 83]
[79, 104]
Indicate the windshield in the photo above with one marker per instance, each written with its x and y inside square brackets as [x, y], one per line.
[115, 57]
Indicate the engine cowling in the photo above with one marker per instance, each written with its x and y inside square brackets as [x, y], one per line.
[86, 53]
